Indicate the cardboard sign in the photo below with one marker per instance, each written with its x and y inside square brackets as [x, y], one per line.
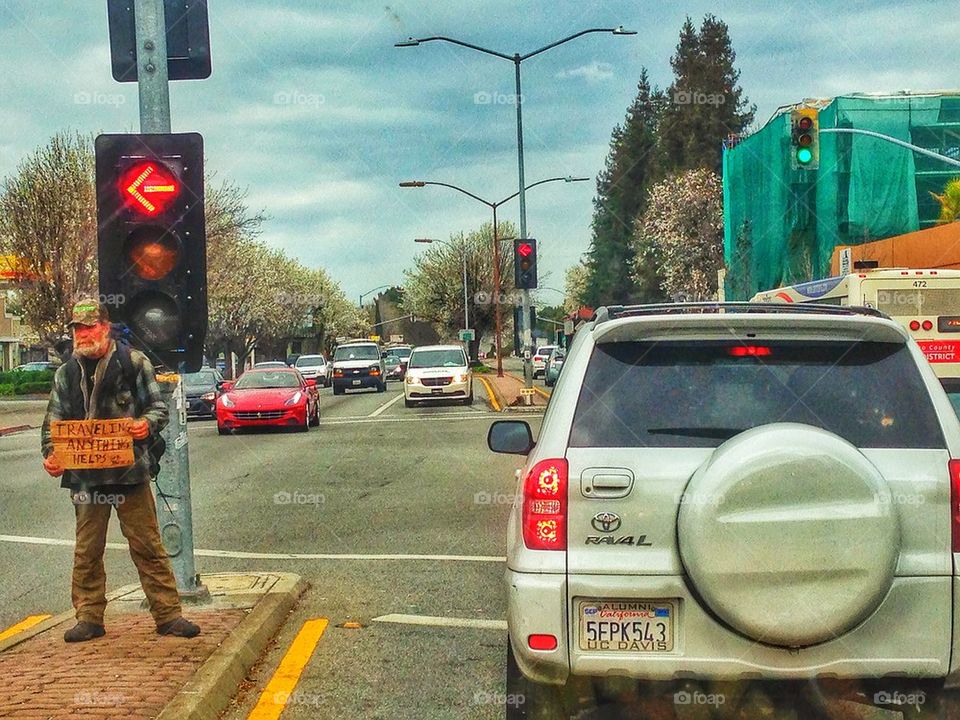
[92, 444]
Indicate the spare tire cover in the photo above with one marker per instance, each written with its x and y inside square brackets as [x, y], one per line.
[788, 535]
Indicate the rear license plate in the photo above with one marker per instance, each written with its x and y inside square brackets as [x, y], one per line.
[436, 391]
[356, 382]
[626, 625]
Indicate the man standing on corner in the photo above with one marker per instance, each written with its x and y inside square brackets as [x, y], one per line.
[104, 380]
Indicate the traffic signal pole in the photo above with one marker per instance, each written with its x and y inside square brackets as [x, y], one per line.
[895, 141]
[174, 508]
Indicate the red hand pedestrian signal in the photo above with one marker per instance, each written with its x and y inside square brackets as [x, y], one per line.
[149, 187]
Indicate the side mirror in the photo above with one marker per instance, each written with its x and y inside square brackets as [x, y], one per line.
[512, 437]
[226, 386]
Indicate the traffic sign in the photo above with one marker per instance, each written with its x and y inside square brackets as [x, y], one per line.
[467, 335]
[188, 39]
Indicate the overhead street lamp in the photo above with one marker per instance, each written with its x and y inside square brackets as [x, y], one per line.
[363, 295]
[516, 59]
[496, 244]
[466, 304]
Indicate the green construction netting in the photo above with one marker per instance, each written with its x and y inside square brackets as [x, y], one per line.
[781, 225]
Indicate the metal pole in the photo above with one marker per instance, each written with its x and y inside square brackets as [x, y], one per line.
[496, 292]
[466, 311]
[152, 78]
[895, 141]
[174, 510]
[526, 331]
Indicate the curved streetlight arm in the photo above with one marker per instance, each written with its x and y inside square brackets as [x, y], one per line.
[363, 295]
[516, 57]
[421, 183]
[566, 178]
[616, 31]
[413, 42]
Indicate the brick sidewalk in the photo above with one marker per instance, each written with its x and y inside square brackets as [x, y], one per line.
[131, 672]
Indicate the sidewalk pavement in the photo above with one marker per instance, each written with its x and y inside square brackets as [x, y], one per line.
[132, 672]
[21, 414]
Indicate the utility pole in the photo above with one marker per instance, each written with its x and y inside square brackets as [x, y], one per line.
[174, 508]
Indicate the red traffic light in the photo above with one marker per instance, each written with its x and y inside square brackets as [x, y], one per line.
[524, 249]
[149, 187]
[805, 123]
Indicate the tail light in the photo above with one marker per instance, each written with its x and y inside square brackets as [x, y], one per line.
[749, 351]
[545, 506]
[955, 503]
[927, 325]
[338, 373]
[542, 642]
[374, 372]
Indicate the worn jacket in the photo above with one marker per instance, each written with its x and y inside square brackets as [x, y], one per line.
[110, 398]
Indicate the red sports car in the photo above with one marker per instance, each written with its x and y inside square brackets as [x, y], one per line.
[268, 397]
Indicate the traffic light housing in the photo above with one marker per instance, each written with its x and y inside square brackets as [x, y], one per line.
[805, 138]
[151, 243]
[525, 264]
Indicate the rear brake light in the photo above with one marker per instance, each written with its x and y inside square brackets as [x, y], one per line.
[749, 351]
[542, 642]
[375, 371]
[338, 373]
[545, 506]
[954, 466]
[927, 325]
[914, 325]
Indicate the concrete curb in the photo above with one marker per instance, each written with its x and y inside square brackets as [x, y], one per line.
[215, 683]
[495, 403]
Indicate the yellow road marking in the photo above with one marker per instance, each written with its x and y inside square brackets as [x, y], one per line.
[277, 693]
[490, 394]
[24, 624]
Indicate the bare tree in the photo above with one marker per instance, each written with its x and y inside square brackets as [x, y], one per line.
[48, 221]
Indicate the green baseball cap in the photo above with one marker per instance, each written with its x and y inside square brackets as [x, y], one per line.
[88, 311]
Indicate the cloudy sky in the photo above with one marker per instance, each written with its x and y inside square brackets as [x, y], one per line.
[312, 108]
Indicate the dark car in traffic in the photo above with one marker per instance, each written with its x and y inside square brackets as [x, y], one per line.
[202, 388]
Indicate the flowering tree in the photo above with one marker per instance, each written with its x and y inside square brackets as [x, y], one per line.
[683, 231]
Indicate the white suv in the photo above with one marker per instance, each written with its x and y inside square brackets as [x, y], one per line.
[736, 505]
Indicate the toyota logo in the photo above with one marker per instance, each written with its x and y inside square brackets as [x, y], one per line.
[606, 522]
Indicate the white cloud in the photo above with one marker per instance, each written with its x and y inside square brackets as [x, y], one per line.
[593, 72]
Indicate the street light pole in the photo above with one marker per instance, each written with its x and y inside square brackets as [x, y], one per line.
[496, 245]
[516, 59]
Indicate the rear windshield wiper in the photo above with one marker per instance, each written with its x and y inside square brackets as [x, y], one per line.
[720, 433]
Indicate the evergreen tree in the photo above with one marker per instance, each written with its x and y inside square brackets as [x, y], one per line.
[620, 199]
[704, 102]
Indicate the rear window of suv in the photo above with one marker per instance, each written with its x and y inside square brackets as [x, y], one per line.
[666, 394]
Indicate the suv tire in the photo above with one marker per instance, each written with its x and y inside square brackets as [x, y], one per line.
[337, 390]
[732, 507]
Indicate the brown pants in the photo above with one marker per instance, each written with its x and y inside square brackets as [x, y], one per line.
[138, 522]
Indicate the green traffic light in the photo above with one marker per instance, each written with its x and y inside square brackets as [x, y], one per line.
[804, 156]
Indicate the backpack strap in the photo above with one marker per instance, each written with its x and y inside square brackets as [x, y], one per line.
[129, 373]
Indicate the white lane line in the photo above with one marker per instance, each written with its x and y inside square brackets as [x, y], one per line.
[442, 621]
[30, 540]
[387, 404]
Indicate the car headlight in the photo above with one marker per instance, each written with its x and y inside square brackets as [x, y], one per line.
[410, 379]
[295, 398]
[209, 397]
[226, 401]
[460, 377]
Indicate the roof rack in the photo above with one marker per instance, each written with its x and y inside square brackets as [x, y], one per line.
[614, 312]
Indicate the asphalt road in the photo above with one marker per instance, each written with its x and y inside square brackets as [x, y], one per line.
[375, 478]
